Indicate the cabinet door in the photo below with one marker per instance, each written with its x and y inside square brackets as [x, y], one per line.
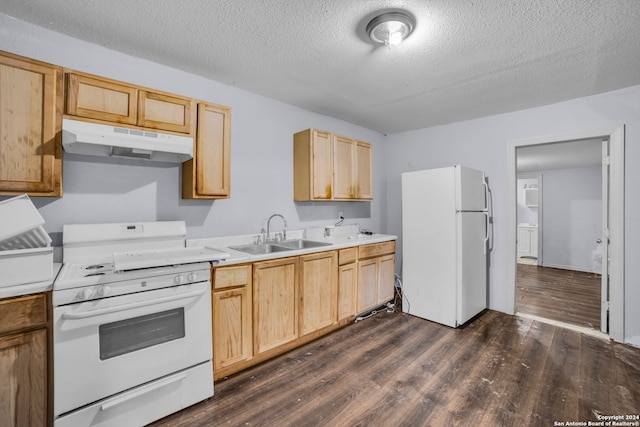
[101, 99]
[524, 241]
[231, 327]
[344, 168]
[23, 370]
[207, 175]
[347, 286]
[318, 291]
[386, 278]
[364, 176]
[165, 112]
[321, 165]
[30, 127]
[367, 285]
[533, 243]
[275, 303]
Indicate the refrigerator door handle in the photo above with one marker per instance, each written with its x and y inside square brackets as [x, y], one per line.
[486, 235]
[486, 193]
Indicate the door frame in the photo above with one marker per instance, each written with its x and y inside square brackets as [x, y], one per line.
[616, 218]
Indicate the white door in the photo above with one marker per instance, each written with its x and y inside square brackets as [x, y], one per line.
[604, 285]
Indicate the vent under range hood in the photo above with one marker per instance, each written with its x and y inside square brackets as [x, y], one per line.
[103, 140]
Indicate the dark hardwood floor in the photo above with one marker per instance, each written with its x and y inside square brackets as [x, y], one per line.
[563, 295]
[398, 370]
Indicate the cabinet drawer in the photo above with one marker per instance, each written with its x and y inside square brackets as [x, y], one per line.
[226, 277]
[347, 256]
[376, 249]
[23, 312]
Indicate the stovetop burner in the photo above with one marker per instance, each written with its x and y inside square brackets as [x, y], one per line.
[100, 273]
[94, 267]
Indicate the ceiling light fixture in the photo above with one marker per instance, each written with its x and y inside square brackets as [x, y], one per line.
[390, 28]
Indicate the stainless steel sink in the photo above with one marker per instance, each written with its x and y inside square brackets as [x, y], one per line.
[287, 245]
[302, 244]
[261, 248]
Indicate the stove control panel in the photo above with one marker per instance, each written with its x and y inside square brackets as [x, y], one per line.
[188, 275]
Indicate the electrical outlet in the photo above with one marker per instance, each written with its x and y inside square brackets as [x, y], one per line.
[340, 216]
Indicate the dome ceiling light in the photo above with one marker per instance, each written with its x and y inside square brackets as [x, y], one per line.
[390, 28]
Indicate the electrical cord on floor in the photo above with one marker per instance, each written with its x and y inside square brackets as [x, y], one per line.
[400, 294]
[390, 309]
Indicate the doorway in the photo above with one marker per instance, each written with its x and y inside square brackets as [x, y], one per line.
[612, 304]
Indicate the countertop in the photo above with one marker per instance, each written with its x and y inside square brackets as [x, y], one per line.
[31, 288]
[237, 257]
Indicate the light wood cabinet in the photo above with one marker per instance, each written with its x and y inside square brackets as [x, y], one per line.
[347, 282]
[331, 167]
[24, 361]
[207, 175]
[232, 318]
[352, 175]
[110, 101]
[30, 127]
[275, 303]
[318, 291]
[101, 99]
[376, 266]
[312, 165]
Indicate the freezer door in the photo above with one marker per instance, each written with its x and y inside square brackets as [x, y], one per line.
[471, 265]
[470, 189]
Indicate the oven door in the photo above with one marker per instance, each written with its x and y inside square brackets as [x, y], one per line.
[109, 345]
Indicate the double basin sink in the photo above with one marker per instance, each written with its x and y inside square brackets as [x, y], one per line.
[286, 245]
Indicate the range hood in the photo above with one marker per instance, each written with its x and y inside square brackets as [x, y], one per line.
[103, 140]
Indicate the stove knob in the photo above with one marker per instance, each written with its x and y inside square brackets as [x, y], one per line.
[85, 294]
[103, 291]
[191, 277]
[179, 279]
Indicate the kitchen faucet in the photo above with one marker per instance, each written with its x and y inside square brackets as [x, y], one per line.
[284, 229]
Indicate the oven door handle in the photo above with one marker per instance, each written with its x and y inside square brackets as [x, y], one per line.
[101, 311]
[141, 391]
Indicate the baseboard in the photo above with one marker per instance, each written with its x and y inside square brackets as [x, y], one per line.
[564, 267]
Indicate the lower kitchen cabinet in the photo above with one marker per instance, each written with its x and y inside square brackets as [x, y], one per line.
[347, 282]
[24, 361]
[318, 291]
[527, 241]
[263, 309]
[232, 318]
[275, 303]
[376, 266]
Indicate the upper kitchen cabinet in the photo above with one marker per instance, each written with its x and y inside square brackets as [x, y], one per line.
[30, 127]
[312, 166]
[110, 101]
[352, 175]
[207, 175]
[331, 167]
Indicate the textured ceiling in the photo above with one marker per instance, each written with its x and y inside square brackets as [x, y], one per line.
[465, 59]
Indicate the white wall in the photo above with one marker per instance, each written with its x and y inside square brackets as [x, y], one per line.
[572, 218]
[99, 189]
[482, 144]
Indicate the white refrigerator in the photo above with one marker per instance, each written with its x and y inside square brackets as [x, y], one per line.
[445, 232]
